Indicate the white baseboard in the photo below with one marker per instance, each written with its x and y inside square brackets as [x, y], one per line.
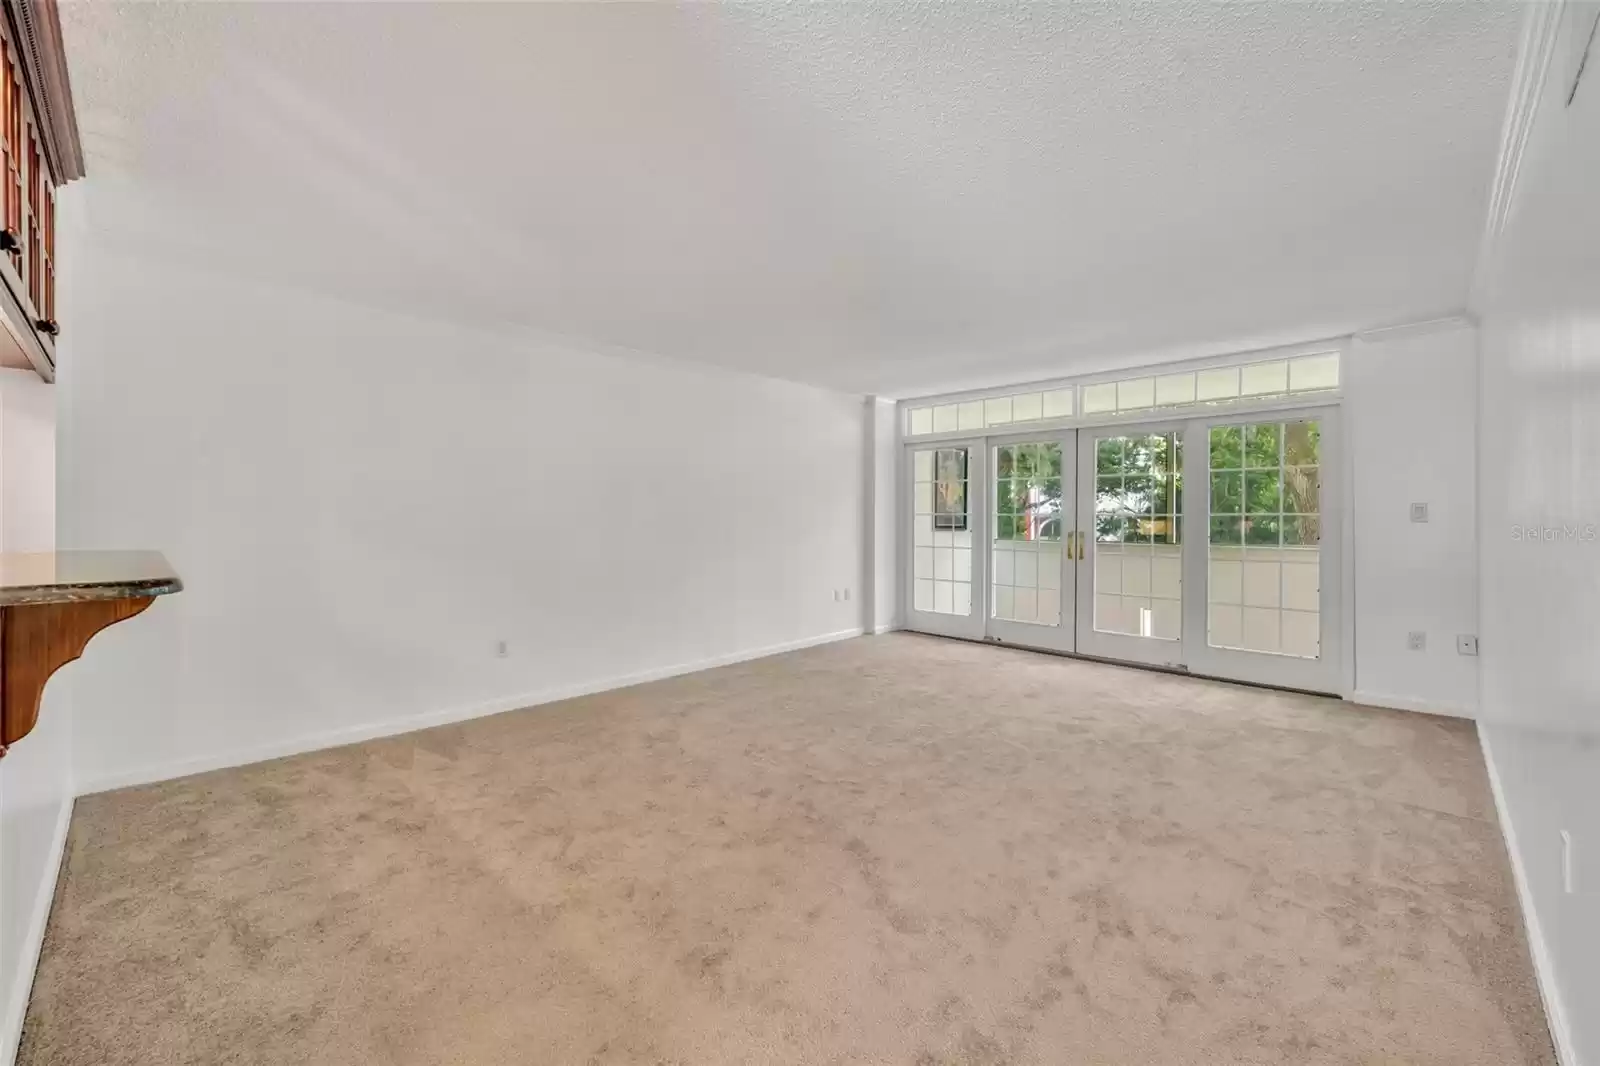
[1543, 969]
[887, 627]
[33, 940]
[1409, 703]
[334, 738]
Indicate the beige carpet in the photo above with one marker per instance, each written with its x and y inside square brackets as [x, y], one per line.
[892, 850]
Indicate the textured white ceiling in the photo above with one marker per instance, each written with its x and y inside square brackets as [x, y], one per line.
[885, 196]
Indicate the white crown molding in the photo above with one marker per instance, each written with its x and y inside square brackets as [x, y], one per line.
[1196, 357]
[1541, 25]
[1400, 330]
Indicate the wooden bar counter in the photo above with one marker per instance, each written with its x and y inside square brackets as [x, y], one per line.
[51, 603]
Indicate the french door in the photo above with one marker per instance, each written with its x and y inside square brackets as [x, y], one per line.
[945, 569]
[1031, 536]
[1269, 608]
[1206, 544]
[1130, 508]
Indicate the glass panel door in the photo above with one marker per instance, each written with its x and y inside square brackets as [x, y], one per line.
[1271, 557]
[1085, 541]
[1131, 530]
[946, 508]
[1030, 537]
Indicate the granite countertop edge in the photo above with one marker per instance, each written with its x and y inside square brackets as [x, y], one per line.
[25, 595]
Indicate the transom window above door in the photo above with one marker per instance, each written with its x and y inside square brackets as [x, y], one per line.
[1017, 409]
[1306, 374]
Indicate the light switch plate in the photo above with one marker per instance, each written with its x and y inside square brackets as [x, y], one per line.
[1419, 512]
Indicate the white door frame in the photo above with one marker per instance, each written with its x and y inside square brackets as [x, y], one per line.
[1327, 672]
[1150, 651]
[971, 625]
[1061, 637]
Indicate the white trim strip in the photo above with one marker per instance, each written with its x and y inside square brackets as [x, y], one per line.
[1415, 329]
[16, 1011]
[1411, 703]
[1544, 971]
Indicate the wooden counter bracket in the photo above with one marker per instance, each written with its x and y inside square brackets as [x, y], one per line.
[36, 640]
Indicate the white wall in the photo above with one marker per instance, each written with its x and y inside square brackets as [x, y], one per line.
[35, 777]
[1411, 425]
[362, 504]
[1540, 469]
[27, 462]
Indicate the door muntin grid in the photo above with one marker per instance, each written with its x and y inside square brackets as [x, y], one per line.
[1138, 528]
[1027, 537]
[941, 575]
[1265, 537]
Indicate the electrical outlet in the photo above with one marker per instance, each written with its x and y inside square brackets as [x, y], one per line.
[1419, 512]
[501, 649]
[1417, 640]
[1466, 644]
